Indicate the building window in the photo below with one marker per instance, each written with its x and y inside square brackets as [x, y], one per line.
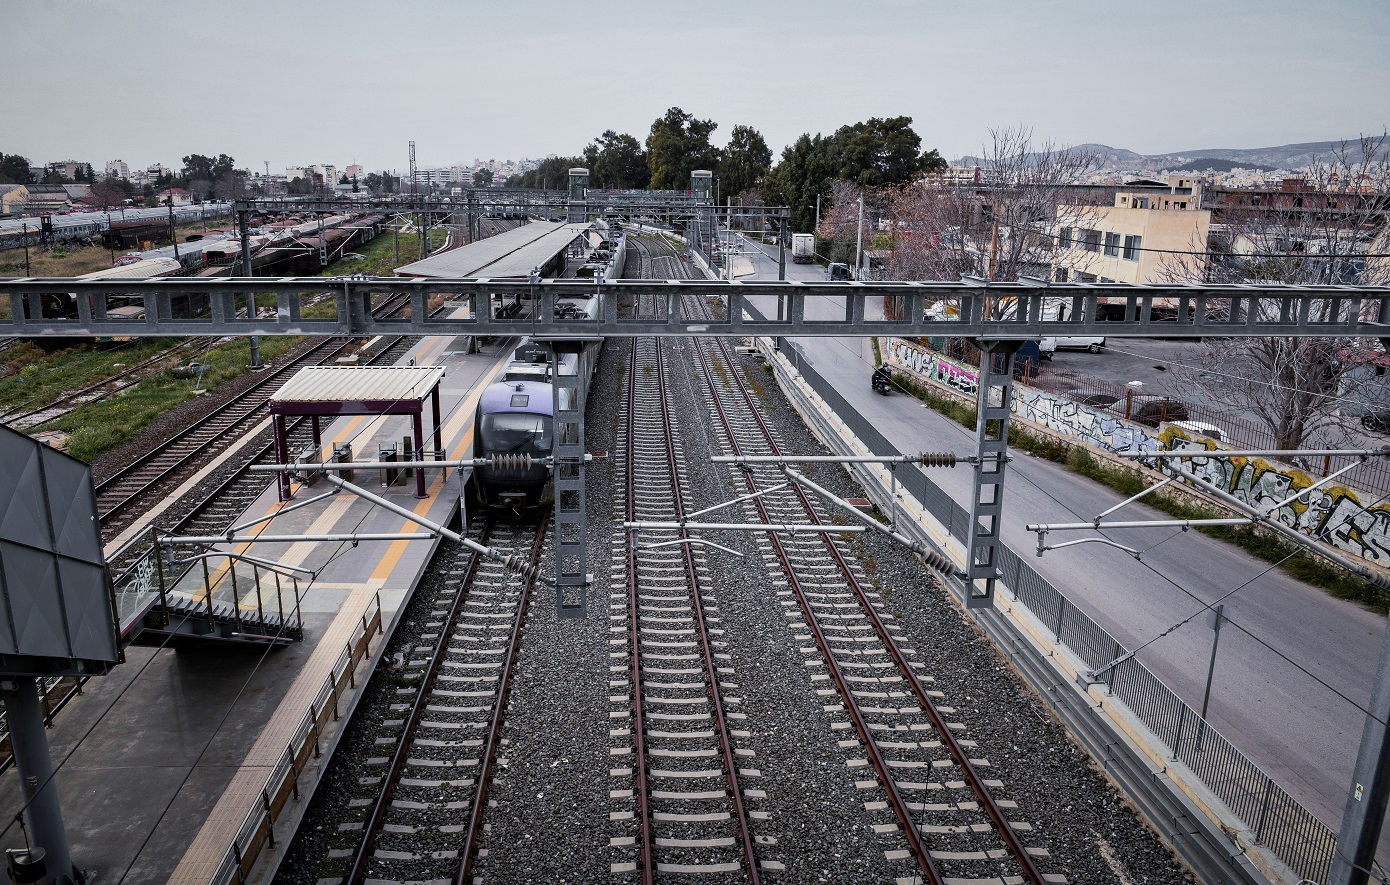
[1083, 277]
[1060, 275]
[1090, 240]
[1064, 238]
[1180, 205]
[1133, 245]
[1112, 244]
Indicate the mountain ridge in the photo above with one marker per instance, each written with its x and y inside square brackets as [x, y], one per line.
[1286, 156]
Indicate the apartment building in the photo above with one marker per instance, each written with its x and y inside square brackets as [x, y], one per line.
[1146, 236]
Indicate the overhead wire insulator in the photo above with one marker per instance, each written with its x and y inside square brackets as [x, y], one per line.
[516, 463]
[937, 459]
[936, 560]
[521, 567]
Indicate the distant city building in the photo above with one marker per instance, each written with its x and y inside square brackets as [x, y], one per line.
[353, 171]
[117, 169]
[1135, 240]
[178, 195]
[13, 198]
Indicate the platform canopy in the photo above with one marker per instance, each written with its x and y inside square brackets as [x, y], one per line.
[358, 390]
[512, 254]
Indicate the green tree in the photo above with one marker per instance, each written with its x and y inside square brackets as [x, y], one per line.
[617, 161]
[300, 186]
[552, 173]
[14, 169]
[878, 152]
[482, 176]
[806, 170]
[197, 167]
[677, 145]
[745, 162]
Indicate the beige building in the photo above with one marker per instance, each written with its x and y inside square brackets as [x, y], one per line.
[1145, 237]
[13, 198]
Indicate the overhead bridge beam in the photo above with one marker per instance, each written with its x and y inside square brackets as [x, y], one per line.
[995, 311]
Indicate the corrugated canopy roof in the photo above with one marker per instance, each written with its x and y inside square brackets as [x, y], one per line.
[512, 253]
[357, 384]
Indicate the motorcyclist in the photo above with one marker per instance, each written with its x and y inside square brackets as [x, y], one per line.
[882, 378]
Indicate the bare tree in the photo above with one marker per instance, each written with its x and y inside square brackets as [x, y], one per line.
[1326, 228]
[1000, 227]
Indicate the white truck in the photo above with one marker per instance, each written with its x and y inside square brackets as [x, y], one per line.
[803, 248]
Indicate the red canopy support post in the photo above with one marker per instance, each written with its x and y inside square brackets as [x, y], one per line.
[419, 448]
[438, 426]
[282, 446]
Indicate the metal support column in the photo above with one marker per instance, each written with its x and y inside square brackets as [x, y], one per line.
[282, 454]
[991, 449]
[1370, 786]
[417, 425]
[571, 556]
[24, 719]
[243, 224]
[782, 248]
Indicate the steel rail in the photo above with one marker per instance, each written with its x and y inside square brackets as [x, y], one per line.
[377, 817]
[639, 741]
[390, 306]
[68, 396]
[910, 833]
[499, 709]
[948, 739]
[208, 422]
[711, 671]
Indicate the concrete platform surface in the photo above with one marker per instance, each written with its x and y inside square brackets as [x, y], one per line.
[162, 759]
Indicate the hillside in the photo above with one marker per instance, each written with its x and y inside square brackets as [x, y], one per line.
[1286, 156]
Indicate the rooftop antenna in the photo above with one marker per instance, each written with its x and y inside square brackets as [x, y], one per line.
[412, 167]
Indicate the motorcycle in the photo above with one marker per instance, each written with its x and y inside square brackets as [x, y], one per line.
[882, 381]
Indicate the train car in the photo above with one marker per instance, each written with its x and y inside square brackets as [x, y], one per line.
[65, 306]
[515, 418]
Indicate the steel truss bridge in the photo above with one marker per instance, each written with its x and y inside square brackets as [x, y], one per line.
[999, 317]
[1002, 312]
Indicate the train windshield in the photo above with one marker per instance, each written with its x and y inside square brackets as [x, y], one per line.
[516, 432]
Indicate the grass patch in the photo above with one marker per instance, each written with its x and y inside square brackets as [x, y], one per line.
[1261, 544]
[31, 375]
[95, 429]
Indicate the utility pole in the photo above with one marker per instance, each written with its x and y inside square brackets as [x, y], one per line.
[173, 234]
[26, 248]
[859, 243]
[817, 227]
[244, 229]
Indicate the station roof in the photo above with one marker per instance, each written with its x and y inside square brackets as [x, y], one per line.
[356, 390]
[510, 254]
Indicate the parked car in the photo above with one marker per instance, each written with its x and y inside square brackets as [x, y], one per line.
[1376, 422]
[1150, 410]
[1091, 397]
[837, 271]
[1051, 344]
[1202, 428]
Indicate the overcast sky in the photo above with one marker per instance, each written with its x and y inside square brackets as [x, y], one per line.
[303, 82]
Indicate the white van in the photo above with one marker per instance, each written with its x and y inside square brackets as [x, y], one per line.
[1053, 343]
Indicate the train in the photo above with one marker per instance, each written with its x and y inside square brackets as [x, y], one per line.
[60, 228]
[515, 415]
[65, 306]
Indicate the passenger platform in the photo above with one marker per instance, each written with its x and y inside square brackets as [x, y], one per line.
[187, 748]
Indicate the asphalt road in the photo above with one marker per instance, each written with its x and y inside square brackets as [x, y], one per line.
[1294, 666]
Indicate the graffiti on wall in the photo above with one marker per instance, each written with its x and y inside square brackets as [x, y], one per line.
[934, 366]
[1334, 514]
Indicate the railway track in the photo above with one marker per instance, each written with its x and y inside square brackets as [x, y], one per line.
[445, 728]
[29, 416]
[120, 495]
[919, 776]
[691, 815]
